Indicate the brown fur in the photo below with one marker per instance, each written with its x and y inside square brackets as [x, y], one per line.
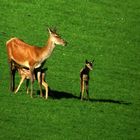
[30, 56]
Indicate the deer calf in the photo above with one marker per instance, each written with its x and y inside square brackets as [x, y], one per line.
[38, 74]
[84, 77]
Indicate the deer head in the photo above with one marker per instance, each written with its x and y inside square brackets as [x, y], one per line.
[89, 64]
[56, 39]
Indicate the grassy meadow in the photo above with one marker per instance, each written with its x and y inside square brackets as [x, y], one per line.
[107, 31]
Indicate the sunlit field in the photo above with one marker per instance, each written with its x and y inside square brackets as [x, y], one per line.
[107, 31]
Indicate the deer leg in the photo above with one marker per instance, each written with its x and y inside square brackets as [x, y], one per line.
[32, 81]
[21, 81]
[12, 76]
[27, 86]
[11, 84]
[12, 80]
[82, 89]
[87, 90]
[39, 78]
[45, 85]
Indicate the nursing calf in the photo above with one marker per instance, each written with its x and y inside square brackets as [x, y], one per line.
[39, 75]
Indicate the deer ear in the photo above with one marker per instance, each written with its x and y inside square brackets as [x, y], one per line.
[49, 30]
[54, 29]
[86, 61]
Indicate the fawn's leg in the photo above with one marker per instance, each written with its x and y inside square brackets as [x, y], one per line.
[45, 84]
[87, 89]
[39, 78]
[21, 81]
[27, 86]
[82, 89]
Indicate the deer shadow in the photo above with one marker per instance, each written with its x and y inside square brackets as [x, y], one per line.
[110, 101]
[62, 94]
[54, 94]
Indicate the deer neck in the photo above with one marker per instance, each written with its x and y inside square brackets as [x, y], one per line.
[48, 49]
[87, 70]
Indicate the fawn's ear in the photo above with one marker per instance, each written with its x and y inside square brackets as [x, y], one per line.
[54, 30]
[86, 61]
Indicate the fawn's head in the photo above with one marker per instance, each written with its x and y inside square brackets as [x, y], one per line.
[56, 38]
[89, 64]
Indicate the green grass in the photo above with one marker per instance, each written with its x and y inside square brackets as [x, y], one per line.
[107, 31]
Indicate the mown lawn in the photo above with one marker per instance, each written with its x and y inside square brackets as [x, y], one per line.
[106, 31]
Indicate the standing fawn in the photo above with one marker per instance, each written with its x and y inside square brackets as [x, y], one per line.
[39, 75]
[84, 77]
[28, 56]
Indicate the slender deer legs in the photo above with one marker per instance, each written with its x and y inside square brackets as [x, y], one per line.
[46, 88]
[44, 83]
[87, 89]
[84, 86]
[39, 74]
[39, 78]
[12, 76]
[27, 85]
[21, 81]
[82, 89]
[32, 81]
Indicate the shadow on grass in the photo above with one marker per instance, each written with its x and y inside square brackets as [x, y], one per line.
[61, 94]
[109, 101]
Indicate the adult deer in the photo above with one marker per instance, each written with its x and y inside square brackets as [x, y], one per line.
[29, 56]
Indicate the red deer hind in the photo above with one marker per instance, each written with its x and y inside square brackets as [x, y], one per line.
[29, 56]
